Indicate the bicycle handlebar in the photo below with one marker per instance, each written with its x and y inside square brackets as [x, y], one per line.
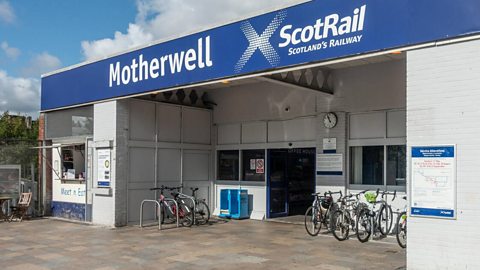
[331, 193]
[159, 188]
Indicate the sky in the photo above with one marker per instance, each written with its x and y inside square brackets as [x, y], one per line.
[39, 36]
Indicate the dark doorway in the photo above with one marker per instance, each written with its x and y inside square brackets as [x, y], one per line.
[291, 181]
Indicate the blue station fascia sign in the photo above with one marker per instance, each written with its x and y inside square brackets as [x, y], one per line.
[311, 32]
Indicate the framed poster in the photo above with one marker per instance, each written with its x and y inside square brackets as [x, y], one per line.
[329, 164]
[103, 168]
[433, 185]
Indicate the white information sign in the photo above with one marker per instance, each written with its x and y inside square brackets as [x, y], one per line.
[329, 144]
[433, 187]
[329, 164]
[103, 168]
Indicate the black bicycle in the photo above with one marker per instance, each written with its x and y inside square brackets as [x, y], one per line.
[320, 213]
[376, 217]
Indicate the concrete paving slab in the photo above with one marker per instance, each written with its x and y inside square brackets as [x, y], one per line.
[245, 244]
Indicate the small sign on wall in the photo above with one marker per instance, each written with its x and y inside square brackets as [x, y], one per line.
[329, 164]
[253, 164]
[329, 145]
[103, 168]
[260, 165]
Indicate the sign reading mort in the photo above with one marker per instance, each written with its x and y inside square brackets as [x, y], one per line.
[433, 181]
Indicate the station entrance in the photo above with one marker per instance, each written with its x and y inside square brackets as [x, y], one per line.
[291, 181]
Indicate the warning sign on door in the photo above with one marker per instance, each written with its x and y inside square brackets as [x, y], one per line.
[260, 166]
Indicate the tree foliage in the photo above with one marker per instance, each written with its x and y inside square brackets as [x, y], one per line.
[17, 139]
[15, 128]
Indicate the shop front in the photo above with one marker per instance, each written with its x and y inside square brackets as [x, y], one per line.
[321, 96]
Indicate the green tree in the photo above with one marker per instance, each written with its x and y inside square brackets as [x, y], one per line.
[17, 139]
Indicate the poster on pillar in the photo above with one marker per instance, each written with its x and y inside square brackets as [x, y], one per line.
[103, 168]
[433, 185]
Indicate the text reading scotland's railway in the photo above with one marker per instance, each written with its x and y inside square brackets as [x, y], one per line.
[322, 29]
[141, 69]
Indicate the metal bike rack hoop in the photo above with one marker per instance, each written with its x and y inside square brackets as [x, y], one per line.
[159, 217]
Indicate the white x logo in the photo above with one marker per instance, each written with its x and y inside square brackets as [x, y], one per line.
[261, 42]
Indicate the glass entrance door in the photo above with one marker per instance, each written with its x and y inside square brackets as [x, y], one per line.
[277, 183]
[291, 181]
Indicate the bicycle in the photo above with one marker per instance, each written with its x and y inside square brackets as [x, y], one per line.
[169, 208]
[370, 220]
[344, 218]
[386, 213]
[401, 231]
[202, 212]
[320, 212]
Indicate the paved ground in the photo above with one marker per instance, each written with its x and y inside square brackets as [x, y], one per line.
[52, 244]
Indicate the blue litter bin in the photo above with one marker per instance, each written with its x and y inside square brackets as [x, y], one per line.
[234, 203]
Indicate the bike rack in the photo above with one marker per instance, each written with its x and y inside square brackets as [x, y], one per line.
[176, 207]
[159, 217]
[183, 196]
[160, 211]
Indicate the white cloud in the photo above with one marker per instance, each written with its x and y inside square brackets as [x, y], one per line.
[40, 64]
[10, 52]
[22, 94]
[6, 12]
[19, 95]
[158, 19]
[135, 36]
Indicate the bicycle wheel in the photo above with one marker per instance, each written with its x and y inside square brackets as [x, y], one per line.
[313, 221]
[185, 215]
[202, 213]
[401, 231]
[341, 224]
[385, 219]
[363, 226]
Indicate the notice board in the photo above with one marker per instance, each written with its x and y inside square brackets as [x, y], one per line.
[103, 168]
[433, 185]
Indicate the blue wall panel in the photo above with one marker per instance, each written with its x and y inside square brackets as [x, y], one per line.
[73, 211]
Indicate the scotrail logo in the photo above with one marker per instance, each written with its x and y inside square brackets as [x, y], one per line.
[261, 42]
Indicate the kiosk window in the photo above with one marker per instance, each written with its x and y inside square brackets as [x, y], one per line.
[253, 162]
[73, 162]
[228, 164]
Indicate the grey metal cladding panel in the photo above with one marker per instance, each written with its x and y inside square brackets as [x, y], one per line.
[196, 126]
[169, 123]
[203, 190]
[142, 162]
[397, 124]
[302, 129]
[254, 132]
[337, 181]
[196, 166]
[61, 123]
[135, 198]
[142, 120]
[229, 134]
[367, 125]
[169, 162]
